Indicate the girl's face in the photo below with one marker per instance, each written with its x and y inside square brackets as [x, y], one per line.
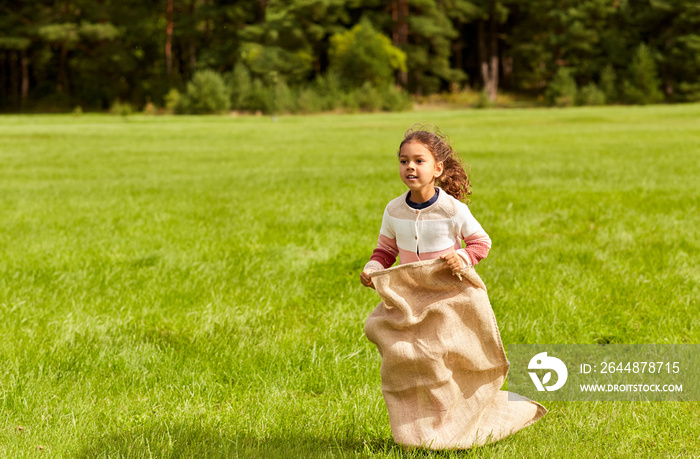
[418, 168]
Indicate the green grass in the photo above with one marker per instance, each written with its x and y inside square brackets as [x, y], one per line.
[189, 286]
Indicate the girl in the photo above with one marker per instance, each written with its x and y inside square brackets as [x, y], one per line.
[429, 221]
[443, 361]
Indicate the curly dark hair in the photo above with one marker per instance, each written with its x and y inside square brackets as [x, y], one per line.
[454, 179]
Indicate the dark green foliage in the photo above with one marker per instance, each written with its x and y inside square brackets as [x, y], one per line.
[120, 109]
[55, 56]
[331, 88]
[283, 101]
[325, 93]
[591, 95]
[674, 39]
[642, 83]
[363, 56]
[261, 98]
[310, 101]
[608, 84]
[172, 98]
[395, 100]
[240, 85]
[368, 98]
[562, 91]
[273, 62]
[429, 48]
[206, 93]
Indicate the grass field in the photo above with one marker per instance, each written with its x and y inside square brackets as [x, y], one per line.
[189, 286]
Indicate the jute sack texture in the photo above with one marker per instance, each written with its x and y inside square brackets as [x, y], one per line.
[443, 361]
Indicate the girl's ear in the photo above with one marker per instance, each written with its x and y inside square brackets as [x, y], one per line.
[439, 168]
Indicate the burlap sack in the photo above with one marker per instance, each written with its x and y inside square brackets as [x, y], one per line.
[443, 362]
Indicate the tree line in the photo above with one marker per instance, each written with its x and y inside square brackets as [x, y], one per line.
[58, 54]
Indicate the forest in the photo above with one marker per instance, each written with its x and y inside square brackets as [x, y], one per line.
[199, 56]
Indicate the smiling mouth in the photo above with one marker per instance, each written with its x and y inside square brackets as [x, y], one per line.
[411, 177]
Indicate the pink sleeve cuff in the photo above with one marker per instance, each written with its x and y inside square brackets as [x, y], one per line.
[477, 246]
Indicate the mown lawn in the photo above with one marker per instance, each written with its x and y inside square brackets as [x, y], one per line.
[189, 286]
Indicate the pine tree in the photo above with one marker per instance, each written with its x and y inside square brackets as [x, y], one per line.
[642, 83]
[673, 28]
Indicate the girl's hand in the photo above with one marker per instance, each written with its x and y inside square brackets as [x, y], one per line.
[453, 261]
[366, 280]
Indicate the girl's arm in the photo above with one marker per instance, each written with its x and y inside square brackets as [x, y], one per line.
[386, 252]
[384, 255]
[477, 246]
[477, 242]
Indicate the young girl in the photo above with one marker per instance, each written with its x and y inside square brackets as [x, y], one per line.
[443, 361]
[430, 220]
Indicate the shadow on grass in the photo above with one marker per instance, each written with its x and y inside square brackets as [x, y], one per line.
[187, 440]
